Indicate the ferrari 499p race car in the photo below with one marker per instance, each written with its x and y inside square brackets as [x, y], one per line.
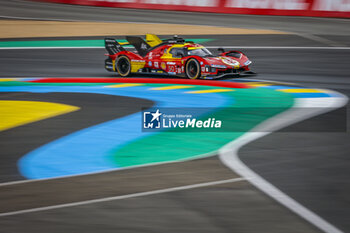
[173, 57]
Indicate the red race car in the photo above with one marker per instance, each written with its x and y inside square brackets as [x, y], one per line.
[173, 57]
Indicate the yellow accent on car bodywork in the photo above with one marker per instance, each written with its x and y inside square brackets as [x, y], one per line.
[136, 65]
[168, 56]
[153, 40]
[193, 48]
[113, 62]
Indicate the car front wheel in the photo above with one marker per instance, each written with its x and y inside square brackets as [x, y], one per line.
[193, 69]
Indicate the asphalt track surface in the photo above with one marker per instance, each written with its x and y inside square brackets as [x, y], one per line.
[312, 168]
[46, 131]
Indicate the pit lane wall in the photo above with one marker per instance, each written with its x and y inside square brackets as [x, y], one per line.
[316, 8]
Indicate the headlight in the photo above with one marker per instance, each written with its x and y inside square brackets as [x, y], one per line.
[247, 63]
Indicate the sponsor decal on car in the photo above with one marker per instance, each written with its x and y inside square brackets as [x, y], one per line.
[133, 60]
[229, 61]
[163, 66]
[218, 66]
[172, 69]
[143, 46]
[247, 62]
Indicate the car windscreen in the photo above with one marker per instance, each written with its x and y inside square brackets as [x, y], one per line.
[202, 52]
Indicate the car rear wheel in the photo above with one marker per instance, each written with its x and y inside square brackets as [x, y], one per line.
[123, 66]
[193, 69]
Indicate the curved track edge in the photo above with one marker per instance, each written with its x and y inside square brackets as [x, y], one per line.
[229, 153]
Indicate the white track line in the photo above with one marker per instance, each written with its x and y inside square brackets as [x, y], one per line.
[320, 39]
[142, 194]
[229, 153]
[209, 47]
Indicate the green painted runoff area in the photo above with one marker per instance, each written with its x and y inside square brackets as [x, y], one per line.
[69, 43]
[248, 108]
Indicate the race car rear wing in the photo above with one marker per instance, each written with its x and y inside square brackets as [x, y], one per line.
[112, 46]
[140, 45]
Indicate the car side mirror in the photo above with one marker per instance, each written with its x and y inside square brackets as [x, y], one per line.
[221, 50]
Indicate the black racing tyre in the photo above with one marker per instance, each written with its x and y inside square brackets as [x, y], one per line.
[123, 66]
[193, 69]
